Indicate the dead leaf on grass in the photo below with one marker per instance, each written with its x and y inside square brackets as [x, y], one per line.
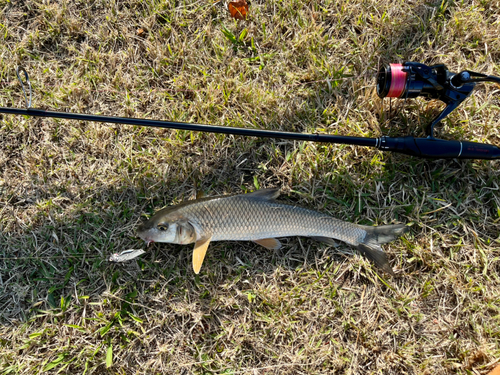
[238, 9]
[495, 371]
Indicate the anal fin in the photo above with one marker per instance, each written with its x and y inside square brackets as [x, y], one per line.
[199, 251]
[327, 240]
[269, 243]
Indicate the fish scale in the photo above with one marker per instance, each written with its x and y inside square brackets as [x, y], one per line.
[242, 218]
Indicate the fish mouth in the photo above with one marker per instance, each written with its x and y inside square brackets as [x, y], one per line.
[149, 242]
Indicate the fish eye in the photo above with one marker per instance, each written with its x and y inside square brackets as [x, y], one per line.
[163, 226]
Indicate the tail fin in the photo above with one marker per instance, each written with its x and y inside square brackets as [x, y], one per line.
[370, 247]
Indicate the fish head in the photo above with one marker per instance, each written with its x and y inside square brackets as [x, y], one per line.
[165, 227]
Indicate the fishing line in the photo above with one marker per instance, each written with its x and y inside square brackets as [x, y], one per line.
[113, 258]
[177, 90]
[51, 257]
[398, 81]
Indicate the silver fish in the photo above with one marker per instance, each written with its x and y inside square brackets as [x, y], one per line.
[260, 218]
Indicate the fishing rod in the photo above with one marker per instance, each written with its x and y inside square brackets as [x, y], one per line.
[407, 80]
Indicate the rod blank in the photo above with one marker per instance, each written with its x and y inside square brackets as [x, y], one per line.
[359, 141]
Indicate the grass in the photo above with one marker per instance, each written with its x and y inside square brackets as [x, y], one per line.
[72, 193]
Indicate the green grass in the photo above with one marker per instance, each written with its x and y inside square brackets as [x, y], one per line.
[72, 193]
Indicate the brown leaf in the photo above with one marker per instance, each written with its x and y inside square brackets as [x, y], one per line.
[496, 371]
[141, 32]
[238, 9]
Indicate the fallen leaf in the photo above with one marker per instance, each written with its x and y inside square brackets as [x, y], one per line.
[238, 9]
[141, 32]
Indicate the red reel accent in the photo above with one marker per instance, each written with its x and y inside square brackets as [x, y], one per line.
[398, 81]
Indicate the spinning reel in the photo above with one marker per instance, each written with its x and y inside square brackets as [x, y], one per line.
[411, 79]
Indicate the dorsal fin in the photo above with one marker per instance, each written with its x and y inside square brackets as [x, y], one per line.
[265, 194]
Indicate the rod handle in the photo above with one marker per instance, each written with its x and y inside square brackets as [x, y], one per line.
[434, 148]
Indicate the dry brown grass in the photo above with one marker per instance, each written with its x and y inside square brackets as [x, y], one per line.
[71, 193]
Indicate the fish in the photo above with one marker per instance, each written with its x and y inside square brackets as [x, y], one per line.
[260, 218]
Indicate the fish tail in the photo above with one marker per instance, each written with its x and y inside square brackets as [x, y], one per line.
[375, 236]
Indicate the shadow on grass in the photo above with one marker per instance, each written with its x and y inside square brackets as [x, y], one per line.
[65, 262]
[250, 307]
[46, 267]
[69, 258]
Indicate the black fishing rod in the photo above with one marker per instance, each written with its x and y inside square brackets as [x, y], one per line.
[407, 80]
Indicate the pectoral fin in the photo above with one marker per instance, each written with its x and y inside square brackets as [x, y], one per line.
[269, 243]
[199, 251]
